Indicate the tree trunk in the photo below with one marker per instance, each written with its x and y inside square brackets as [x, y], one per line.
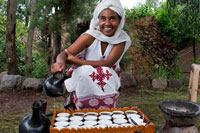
[11, 60]
[56, 46]
[28, 58]
[56, 42]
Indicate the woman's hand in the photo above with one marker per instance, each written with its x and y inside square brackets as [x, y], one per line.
[57, 67]
[70, 57]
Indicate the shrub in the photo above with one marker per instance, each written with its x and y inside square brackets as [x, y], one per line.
[37, 69]
[169, 27]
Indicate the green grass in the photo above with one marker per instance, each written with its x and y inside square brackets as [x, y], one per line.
[10, 123]
[147, 101]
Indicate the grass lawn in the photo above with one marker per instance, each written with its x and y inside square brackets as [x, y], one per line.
[147, 101]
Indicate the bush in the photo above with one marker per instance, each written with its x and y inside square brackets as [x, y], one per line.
[37, 69]
[169, 27]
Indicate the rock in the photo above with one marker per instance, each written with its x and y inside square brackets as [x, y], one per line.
[1, 76]
[159, 83]
[11, 82]
[175, 83]
[33, 83]
[143, 81]
[128, 80]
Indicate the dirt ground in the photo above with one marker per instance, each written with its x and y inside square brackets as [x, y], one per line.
[21, 100]
[15, 101]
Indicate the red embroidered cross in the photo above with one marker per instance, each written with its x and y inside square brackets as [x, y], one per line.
[100, 76]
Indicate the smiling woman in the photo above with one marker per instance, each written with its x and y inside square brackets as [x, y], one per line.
[94, 78]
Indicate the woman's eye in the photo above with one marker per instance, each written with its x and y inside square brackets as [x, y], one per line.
[103, 18]
[112, 18]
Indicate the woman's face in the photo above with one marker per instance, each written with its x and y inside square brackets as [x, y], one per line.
[108, 22]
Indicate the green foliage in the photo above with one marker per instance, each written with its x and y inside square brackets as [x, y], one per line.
[20, 40]
[176, 73]
[21, 33]
[37, 69]
[197, 60]
[54, 17]
[23, 10]
[3, 7]
[2, 38]
[169, 27]
[142, 10]
[51, 15]
[187, 15]
[159, 72]
[160, 45]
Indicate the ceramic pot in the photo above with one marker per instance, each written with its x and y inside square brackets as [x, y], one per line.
[53, 86]
[36, 122]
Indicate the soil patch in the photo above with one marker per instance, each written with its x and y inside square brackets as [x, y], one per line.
[13, 101]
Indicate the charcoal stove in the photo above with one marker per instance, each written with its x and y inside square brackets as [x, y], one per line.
[180, 116]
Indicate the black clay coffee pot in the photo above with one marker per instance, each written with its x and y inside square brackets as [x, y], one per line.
[36, 122]
[53, 86]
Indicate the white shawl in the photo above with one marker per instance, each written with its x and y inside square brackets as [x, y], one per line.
[120, 35]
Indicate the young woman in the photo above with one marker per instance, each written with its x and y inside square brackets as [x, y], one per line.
[96, 54]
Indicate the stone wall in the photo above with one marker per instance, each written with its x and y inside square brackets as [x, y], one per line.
[139, 62]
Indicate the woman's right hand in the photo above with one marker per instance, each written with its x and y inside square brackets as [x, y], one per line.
[57, 67]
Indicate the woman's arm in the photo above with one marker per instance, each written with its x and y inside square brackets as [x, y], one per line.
[80, 44]
[114, 55]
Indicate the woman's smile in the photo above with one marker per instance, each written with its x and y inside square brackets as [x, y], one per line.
[107, 30]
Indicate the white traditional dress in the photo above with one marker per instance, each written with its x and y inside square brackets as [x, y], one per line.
[98, 87]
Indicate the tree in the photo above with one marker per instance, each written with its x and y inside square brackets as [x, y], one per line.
[24, 10]
[10, 38]
[187, 14]
[28, 58]
[50, 18]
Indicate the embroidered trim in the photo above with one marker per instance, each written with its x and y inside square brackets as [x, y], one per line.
[96, 102]
[100, 76]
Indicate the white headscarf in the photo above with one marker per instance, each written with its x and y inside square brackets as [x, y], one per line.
[120, 35]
